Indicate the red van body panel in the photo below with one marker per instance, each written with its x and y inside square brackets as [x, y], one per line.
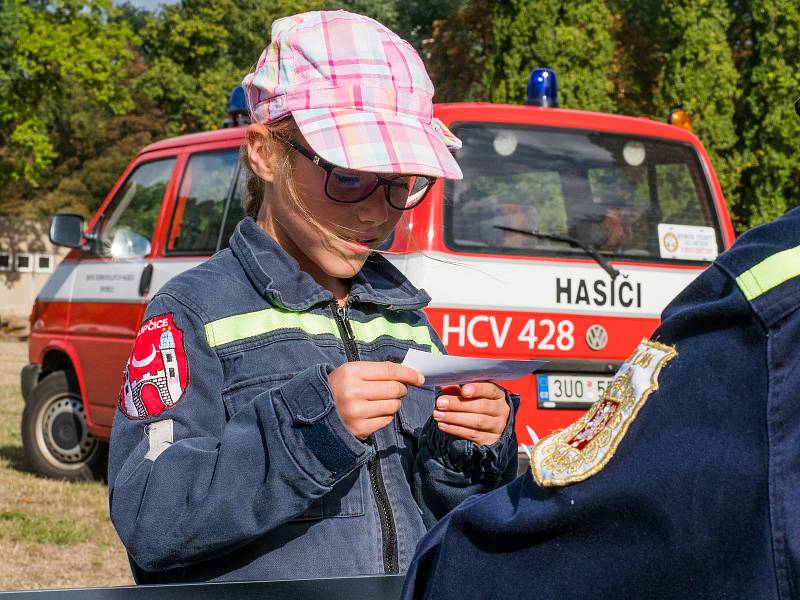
[96, 336]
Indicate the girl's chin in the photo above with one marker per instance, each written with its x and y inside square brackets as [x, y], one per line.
[344, 268]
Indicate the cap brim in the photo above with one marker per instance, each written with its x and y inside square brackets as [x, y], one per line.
[379, 142]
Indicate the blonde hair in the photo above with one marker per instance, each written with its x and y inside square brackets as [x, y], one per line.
[273, 136]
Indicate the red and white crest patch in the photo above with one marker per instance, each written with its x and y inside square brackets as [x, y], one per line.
[157, 372]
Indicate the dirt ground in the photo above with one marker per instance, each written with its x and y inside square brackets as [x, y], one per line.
[53, 534]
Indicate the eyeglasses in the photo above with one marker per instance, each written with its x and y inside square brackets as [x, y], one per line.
[347, 186]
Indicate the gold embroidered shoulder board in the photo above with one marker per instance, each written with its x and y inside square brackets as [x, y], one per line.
[585, 447]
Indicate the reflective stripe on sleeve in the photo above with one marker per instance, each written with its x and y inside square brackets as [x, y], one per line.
[247, 325]
[770, 273]
[372, 330]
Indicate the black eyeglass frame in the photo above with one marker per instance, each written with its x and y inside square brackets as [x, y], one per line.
[328, 167]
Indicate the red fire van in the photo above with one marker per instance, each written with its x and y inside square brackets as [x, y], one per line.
[617, 214]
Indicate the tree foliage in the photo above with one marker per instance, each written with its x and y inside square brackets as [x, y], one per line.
[638, 56]
[198, 50]
[698, 73]
[573, 38]
[458, 50]
[770, 131]
[83, 85]
[57, 58]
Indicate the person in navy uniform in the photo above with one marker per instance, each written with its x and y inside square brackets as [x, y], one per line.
[683, 481]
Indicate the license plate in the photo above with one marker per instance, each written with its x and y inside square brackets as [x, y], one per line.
[569, 390]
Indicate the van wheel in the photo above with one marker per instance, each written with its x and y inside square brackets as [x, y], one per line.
[55, 435]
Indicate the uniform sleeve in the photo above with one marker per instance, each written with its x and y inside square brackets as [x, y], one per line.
[448, 469]
[424, 563]
[187, 484]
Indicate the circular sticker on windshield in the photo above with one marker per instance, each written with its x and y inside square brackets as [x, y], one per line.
[671, 243]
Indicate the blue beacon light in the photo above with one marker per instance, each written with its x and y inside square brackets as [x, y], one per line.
[542, 89]
[237, 102]
[237, 110]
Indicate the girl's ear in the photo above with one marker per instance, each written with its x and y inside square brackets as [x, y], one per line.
[259, 152]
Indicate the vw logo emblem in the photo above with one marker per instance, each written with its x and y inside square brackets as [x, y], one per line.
[596, 337]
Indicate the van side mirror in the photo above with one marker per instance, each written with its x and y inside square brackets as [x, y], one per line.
[66, 229]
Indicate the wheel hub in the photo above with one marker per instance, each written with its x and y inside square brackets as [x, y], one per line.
[66, 434]
[65, 430]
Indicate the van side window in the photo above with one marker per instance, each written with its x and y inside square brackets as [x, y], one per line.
[204, 192]
[130, 219]
[235, 211]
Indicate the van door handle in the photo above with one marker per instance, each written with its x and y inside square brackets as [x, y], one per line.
[147, 278]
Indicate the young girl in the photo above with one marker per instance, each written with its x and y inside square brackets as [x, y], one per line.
[266, 429]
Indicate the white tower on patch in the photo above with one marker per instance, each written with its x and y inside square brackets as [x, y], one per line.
[130, 407]
[171, 372]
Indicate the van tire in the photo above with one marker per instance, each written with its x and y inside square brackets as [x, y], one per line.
[55, 434]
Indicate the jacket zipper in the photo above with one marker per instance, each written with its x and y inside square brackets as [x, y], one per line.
[388, 533]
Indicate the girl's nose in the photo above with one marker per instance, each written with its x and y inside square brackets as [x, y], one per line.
[374, 210]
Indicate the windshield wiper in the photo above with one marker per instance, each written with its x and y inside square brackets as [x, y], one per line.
[612, 272]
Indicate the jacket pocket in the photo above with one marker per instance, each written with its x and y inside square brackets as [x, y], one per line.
[346, 499]
[415, 410]
[241, 394]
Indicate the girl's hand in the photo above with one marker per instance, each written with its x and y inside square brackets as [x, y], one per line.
[475, 411]
[367, 394]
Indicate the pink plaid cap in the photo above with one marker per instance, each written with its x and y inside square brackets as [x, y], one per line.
[359, 94]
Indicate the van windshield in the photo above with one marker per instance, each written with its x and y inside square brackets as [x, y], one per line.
[622, 196]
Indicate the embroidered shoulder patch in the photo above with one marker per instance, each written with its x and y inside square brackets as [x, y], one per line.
[157, 371]
[585, 447]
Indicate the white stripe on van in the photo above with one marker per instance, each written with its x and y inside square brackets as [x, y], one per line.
[570, 288]
[109, 281]
[452, 282]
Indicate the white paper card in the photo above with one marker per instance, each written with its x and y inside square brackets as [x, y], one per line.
[687, 242]
[448, 370]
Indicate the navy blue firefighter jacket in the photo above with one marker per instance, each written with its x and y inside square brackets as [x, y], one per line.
[228, 459]
[683, 481]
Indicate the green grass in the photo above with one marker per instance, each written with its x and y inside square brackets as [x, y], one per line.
[39, 510]
[11, 403]
[10, 408]
[52, 533]
[19, 526]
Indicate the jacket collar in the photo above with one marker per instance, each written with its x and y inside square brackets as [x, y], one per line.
[278, 277]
